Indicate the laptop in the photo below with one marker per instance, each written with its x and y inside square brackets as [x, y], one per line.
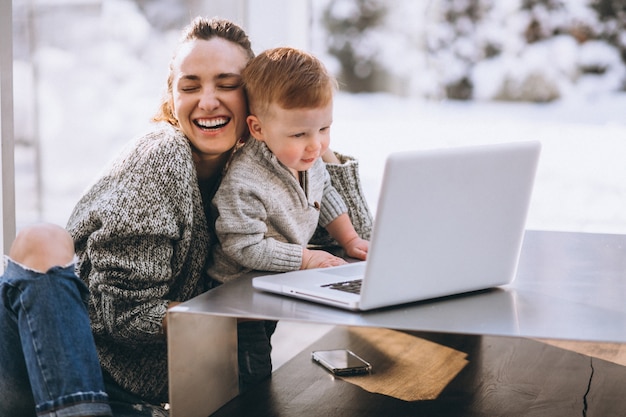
[448, 221]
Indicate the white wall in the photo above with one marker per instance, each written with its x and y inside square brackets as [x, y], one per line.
[272, 23]
[269, 23]
[6, 125]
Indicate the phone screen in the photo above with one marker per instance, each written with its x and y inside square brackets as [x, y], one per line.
[341, 362]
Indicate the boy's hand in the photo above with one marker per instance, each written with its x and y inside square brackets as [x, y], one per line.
[342, 230]
[319, 259]
[357, 248]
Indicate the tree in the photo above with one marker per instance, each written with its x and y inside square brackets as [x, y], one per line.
[352, 26]
[612, 15]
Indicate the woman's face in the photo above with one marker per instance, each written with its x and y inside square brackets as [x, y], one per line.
[208, 96]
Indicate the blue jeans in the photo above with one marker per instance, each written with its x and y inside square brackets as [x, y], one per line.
[48, 360]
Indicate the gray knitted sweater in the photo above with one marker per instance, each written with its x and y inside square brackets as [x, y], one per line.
[265, 216]
[142, 240]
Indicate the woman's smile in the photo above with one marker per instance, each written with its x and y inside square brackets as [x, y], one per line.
[212, 124]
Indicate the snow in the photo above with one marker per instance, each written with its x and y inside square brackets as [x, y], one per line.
[581, 180]
[98, 93]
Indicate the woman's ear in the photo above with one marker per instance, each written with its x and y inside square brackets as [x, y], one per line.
[255, 127]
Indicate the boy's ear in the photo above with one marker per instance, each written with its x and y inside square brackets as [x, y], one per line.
[255, 127]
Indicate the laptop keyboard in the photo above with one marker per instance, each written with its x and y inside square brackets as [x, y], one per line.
[353, 286]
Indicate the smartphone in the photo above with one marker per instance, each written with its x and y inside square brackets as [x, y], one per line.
[341, 362]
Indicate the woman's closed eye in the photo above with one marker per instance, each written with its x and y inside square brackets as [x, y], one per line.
[233, 86]
[228, 81]
[187, 88]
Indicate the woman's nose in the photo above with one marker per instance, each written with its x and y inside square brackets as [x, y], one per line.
[209, 100]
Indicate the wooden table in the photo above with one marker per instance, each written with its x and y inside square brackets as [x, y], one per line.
[503, 376]
[569, 286]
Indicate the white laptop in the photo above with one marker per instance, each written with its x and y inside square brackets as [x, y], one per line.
[448, 221]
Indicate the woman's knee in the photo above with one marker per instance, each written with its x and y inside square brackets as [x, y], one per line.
[42, 246]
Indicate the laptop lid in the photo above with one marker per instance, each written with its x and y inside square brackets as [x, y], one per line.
[448, 221]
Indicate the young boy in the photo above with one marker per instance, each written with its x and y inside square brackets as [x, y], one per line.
[277, 190]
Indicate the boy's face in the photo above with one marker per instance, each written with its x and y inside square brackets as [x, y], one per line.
[296, 136]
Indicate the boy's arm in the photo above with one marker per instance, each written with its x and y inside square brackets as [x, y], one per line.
[342, 230]
[242, 232]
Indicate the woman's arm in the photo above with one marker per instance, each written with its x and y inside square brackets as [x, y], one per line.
[132, 231]
[344, 175]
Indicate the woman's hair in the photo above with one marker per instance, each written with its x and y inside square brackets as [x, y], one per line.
[205, 29]
[289, 77]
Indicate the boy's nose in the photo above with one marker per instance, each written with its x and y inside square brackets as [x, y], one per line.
[315, 144]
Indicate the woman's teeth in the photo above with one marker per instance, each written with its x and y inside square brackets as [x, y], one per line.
[212, 123]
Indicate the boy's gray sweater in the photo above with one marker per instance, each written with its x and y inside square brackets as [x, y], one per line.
[266, 216]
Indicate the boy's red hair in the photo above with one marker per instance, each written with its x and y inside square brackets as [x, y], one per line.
[289, 77]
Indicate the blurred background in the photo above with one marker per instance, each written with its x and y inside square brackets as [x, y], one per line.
[88, 75]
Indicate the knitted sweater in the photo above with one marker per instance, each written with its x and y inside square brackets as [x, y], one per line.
[142, 240]
[266, 216]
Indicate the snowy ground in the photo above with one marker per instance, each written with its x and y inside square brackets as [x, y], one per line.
[581, 181]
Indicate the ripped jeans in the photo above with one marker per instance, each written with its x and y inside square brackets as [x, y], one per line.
[48, 360]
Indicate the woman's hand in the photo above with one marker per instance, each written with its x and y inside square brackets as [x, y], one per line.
[330, 158]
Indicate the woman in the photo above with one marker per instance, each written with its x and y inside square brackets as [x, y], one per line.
[143, 232]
